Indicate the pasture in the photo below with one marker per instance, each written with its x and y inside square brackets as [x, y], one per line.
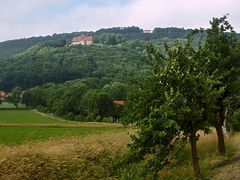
[6, 105]
[21, 126]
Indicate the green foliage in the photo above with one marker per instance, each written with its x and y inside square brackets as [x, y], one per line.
[78, 100]
[15, 96]
[235, 124]
[70, 101]
[222, 49]
[171, 105]
[109, 39]
[42, 64]
[50, 59]
[12, 47]
[117, 90]
[97, 105]
[189, 89]
[124, 30]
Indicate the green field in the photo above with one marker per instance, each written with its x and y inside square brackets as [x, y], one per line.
[6, 105]
[21, 126]
[26, 116]
[19, 135]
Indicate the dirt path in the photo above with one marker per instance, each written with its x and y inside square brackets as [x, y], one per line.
[231, 171]
[76, 125]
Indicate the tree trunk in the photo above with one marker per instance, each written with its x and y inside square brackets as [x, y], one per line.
[220, 117]
[195, 162]
[221, 143]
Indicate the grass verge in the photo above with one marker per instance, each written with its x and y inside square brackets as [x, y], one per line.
[209, 159]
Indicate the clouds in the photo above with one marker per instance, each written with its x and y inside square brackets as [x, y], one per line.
[16, 17]
[25, 18]
[188, 13]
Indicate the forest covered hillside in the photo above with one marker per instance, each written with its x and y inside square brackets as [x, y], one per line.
[116, 53]
[11, 47]
[42, 64]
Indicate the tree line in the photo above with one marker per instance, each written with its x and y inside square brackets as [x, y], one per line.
[87, 99]
[12, 47]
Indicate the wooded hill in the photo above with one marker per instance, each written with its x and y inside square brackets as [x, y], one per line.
[42, 64]
[11, 47]
[116, 53]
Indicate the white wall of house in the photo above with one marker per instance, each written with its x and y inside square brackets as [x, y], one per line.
[89, 42]
[82, 43]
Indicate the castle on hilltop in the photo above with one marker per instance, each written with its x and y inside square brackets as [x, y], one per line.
[82, 40]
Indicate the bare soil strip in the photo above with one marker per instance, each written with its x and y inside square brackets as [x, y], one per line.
[80, 125]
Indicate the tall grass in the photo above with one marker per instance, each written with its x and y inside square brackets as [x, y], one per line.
[209, 159]
[70, 158]
[91, 157]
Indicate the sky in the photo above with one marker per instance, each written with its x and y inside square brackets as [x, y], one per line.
[27, 18]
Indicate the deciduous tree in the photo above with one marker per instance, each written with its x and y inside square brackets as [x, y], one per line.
[173, 104]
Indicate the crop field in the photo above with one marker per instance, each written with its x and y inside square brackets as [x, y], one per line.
[21, 126]
[26, 117]
[39, 146]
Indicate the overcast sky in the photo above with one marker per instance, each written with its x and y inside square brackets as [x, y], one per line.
[26, 18]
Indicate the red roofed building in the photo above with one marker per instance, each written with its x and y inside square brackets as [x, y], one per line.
[3, 95]
[119, 102]
[82, 40]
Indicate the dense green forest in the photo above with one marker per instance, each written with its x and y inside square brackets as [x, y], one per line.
[42, 64]
[89, 99]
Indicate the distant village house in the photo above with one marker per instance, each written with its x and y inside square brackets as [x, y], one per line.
[3, 95]
[82, 40]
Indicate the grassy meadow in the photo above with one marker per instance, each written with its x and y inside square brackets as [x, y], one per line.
[6, 105]
[26, 117]
[21, 126]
